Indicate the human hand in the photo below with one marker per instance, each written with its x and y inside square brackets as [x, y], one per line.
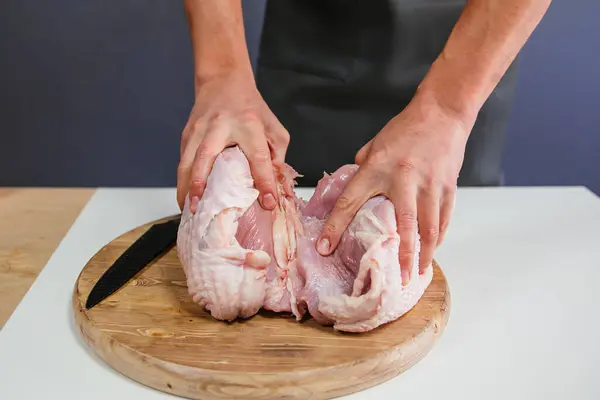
[229, 111]
[414, 161]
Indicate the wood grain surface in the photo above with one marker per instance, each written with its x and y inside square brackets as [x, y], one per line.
[33, 221]
[152, 332]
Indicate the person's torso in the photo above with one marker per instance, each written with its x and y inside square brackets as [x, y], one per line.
[336, 71]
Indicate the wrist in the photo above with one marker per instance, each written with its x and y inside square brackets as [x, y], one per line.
[450, 92]
[237, 72]
[430, 104]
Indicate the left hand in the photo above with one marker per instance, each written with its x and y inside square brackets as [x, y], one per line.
[414, 161]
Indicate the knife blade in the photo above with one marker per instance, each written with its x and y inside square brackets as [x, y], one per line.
[155, 242]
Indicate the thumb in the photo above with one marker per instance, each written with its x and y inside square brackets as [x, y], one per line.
[363, 152]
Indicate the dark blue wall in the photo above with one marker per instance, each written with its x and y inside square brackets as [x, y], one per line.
[95, 93]
[555, 128]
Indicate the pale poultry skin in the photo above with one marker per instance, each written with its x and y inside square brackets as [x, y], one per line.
[239, 258]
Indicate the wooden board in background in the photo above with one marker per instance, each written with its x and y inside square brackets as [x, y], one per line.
[153, 333]
[33, 221]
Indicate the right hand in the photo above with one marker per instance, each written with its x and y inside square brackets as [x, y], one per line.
[230, 111]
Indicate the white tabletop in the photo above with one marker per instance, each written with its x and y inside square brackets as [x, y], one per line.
[523, 266]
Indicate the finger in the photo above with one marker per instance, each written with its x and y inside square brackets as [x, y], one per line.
[446, 210]
[428, 217]
[183, 173]
[206, 153]
[279, 148]
[189, 143]
[405, 205]
[278, 139]
[362, 153]
[358, 191]
[255, 147]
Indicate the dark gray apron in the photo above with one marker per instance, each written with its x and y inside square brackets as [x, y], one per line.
[336, 71]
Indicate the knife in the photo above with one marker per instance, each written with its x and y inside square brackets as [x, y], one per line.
[155, 242]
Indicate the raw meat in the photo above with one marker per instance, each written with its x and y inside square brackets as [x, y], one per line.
[238, 257]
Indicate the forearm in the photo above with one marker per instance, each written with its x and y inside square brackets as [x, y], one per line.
[218, 39]
[484, 42]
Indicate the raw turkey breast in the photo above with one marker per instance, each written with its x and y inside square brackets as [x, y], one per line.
[238, 257]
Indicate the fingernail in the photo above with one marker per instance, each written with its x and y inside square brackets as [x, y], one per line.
[405, 277]
[194, 203]
[268, 201]
[323, 246]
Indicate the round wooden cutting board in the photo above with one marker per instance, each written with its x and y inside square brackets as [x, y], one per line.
[152, 332]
